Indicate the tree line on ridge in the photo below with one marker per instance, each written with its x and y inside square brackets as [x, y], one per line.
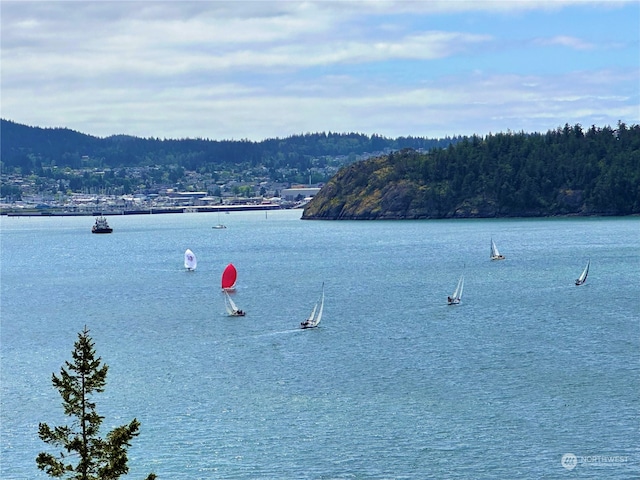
[565, 171]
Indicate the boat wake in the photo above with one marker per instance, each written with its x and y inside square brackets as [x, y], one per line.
[280, 332]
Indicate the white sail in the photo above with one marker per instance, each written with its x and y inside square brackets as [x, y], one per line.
[312, 317]
[495, 254]
[190, 261]
[231, 307]
[458, 293]
[583, 276]
[456, 296]
[319, 317]
[229, 304]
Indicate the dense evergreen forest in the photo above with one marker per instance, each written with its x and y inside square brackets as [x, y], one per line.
[563, 172]
[32, 148]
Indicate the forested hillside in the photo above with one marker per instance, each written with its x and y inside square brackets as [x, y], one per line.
[565, 171]
[32, 148]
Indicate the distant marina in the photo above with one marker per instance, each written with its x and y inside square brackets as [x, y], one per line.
[54, 212]
[78, 204]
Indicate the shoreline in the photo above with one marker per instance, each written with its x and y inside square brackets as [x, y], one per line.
[151, 211]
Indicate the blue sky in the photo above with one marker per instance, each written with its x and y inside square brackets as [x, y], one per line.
[263, 69]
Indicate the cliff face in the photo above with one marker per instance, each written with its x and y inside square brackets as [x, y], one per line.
[565, 172]
[347, 197]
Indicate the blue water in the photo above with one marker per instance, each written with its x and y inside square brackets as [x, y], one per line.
[393, 384]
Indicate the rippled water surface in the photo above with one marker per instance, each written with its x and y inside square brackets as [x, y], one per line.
[393, 384]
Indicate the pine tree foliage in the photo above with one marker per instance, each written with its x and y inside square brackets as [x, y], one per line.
[96, 458]
[567, 171]
[32, 147]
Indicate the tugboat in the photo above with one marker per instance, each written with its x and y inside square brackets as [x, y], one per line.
[101, 226]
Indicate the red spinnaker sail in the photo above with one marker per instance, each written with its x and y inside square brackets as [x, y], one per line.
[229, 276]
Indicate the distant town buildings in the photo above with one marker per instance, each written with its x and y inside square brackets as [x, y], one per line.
[298, 193]
[117, 189]
[36, 199]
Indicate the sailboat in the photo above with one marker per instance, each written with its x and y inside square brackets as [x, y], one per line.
[456, 296]
[232, 308]
[495, 254]
[316, 313]
[583, 276]
[219, 225]
[190, 261]
[229, 277]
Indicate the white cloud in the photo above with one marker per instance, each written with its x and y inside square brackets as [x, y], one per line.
[432, 7]
[447, 107]
[266, 68]
[565, 41]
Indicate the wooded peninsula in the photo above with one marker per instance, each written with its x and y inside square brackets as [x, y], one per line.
[567, 171]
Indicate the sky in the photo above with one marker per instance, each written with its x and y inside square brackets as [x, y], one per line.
[253, 70]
